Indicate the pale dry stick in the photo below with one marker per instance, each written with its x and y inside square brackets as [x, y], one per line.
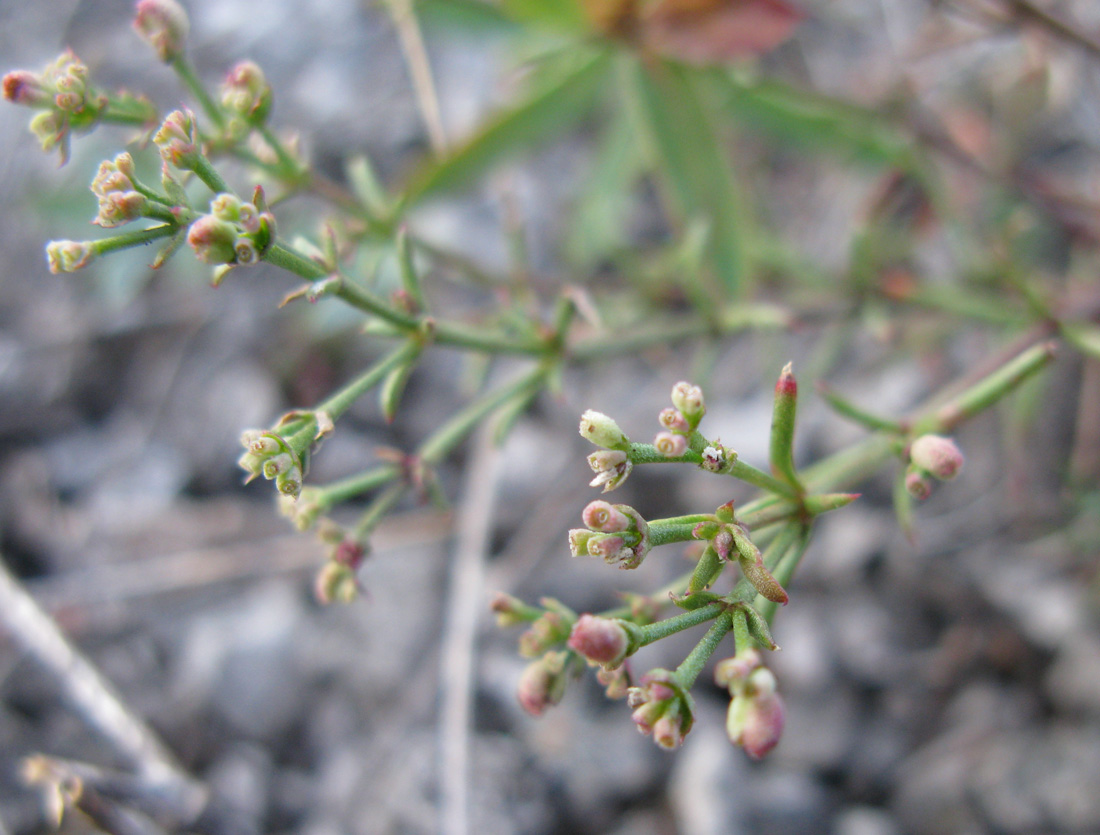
[416, 57]
[464, 602]
[94, 698]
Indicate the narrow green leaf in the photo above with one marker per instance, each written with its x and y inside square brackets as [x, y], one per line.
[695, 164]
[549, 110]
[560, 14]
[813, 121]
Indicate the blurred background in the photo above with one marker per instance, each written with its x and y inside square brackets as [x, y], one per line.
[952, 685]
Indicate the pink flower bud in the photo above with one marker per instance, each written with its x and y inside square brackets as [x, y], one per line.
[670, 445]
[542, 683]
[162, 24]
[674, 421]
[733, 671]
[606, 546]
[69, 256]
[937, 455]
[689, 400]
[26, 88]
[602, 430]
[668, 731]
[604, 517]
[917, 485]
[600, 640]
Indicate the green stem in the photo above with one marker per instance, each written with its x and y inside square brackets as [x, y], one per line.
[742, 638]
[378, 508]
[292, 261]
[338, 403]
[448, 436]
[191, 81]
[348, 488]
[663, 534]
[758, 478]
[206, 172]
[289, 167]
[678, 623]
[126, 240]
[689, 670]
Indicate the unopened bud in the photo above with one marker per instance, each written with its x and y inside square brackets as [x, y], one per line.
[578, 541]
[542, 683]
[732, 671]
[602, 430]
[213, 240]
[162, 24]
[689, 400]
[119, 207]
[511, 611]
[670, 445]
[336, 583]
[756, 715]
[26, 88]
[176, 139]
[246, 92]
[918, 485]
[937, 455]
[668, 730]
[616, 682]
[600, 640]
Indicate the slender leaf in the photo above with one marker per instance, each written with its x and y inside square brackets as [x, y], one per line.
[550, 110]
[695, 164]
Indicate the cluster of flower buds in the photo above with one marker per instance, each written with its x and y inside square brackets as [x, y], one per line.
[730, 539]
[931, 457]
[616, 532]
[234, 232]
[113, 186]
[62, 93]
[662, 708]
[680, 420]
[246, 95]
[270, 456]
[756, 712]
[162, 24]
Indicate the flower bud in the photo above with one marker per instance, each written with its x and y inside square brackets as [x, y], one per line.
[668, 731]
[162, 24]
[246, 92]
[213, 240]
[756, 714]
[616, 682]
[732, 671]
[226, 207]
[69, 256]
[244, 251]
[674, 421]
[604, 517]
[119, 207]
[609, 547]
[336, 582]
[600, 640]
[689, 400]
[542, 683]
[670, 445]
[578, 541]
[177, 139]
[26, 88]
[936, 455]
[602, 430]
[547, 631]
[51, 129]
[511, 611]
[918, 485]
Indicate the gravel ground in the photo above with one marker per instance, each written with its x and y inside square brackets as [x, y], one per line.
[947, 686]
